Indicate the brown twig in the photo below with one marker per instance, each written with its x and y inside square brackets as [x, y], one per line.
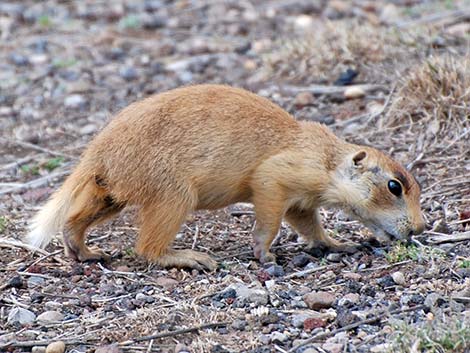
[35, 183]
[13, 243]
[174, 333]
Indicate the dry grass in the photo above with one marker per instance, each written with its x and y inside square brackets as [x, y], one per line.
[435, 94]
[438, 334]
[322, 54]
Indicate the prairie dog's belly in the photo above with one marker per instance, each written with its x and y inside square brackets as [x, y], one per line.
[217, 195]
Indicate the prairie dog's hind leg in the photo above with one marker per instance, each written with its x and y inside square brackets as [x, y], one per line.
[160, 222]
[308, 224]
[88, 209]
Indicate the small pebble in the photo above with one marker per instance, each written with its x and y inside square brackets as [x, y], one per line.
[50, 316]
[354, 92]
[38, 349]
[56, 347]
[398, 278]
[303, 99]
[349, 299]
[301, 260]
[19, 60]
[333, 347]
[21, 316]
[15, 282]
[166, 282]
[128, 73]
[238, 324]
[334, 257]
[275, 271]
[278, 337]
[319, 300]
[75, 101]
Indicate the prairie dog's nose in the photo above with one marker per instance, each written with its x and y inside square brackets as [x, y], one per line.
[418, 229]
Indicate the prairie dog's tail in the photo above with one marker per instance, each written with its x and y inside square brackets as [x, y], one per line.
[53, 215]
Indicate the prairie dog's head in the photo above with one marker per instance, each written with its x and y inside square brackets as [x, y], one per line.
[380, 192]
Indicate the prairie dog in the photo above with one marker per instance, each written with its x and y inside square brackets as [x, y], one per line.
[208, 146]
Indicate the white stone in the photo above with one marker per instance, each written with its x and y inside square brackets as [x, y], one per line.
[50, 316]
[21, 316]
[398, 278]
[354, 92]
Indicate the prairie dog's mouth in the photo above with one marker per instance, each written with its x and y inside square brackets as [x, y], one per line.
[382, 235]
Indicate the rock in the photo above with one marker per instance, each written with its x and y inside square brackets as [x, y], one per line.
[301, 260]
[75, 101]
[278, 337]
[265, 339]
[181, 348]
[311, 324]
[368, 290]
[414, 299]
[128, 73]
[6, 111]
[380, 348]
[18, 59]
[38, 349]
[115, 53]
[345, 317]
[299, 320]
[346, 77]
[56, 347]
[303, 99]
[334, 257]
[275, 271]
[79, 86]
[38, 59]
[333, 347]
[319, 300]
[398, 278]
[389, 14]
[238, 324]
[386, 281]
[111, 348]
[166, 282]
[88, 129]
[303, 22]
[21, 316]
[353, 276]
[354, 92]
[433, 300]
[257, 296]
[269, 319]
[15, 282]
[349, 299]
[153, 22]
[50, 316]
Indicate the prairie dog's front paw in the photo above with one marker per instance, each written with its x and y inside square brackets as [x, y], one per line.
[264, 256]
[335, 246]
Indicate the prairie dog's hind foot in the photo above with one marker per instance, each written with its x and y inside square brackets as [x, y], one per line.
[186, 259]
[84, 253]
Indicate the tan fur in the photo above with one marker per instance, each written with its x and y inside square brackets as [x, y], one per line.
[208, 146]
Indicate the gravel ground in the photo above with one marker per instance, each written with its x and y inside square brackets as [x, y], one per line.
[68, 66]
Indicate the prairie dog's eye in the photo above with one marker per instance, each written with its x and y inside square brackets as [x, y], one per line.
[394, 187]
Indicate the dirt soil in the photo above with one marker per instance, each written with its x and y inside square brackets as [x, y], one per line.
[390, 74]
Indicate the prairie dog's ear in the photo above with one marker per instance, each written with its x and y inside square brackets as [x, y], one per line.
[359, 158]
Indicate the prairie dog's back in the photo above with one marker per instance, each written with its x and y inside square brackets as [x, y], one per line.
[210, 134]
